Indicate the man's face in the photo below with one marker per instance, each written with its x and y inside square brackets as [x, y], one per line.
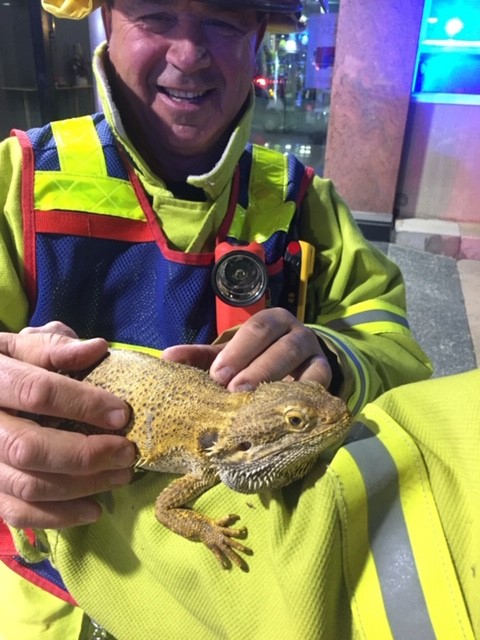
[183, 67]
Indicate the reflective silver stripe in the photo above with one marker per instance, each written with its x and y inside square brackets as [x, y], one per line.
[362, 382]
[368, 316]
[389, 541]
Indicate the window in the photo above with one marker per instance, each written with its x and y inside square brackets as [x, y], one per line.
[293, 86]
[44, 67]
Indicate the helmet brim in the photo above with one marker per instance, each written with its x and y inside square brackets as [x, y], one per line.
[268, 6]
[282, 16]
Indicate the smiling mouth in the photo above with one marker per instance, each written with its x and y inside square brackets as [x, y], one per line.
[180, 96]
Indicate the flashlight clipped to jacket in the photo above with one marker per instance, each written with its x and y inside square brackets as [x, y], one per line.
[240, 281]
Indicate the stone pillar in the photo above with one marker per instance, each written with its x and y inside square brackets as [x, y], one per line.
[375, 55]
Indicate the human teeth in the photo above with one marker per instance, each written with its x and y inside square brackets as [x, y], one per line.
[184, 95]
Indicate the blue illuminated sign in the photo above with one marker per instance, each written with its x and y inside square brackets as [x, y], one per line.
[448, 58]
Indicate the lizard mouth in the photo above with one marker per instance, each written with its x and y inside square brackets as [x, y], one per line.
[249, 468]
[265, 474]
[269, 472]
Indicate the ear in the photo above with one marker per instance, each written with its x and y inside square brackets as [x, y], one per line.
[107, 20]
[207, 439]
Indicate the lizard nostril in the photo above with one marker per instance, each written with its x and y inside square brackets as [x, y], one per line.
[244, 446]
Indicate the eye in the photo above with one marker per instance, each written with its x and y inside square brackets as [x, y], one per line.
[158, 22]
[222, 28]
[295, 419]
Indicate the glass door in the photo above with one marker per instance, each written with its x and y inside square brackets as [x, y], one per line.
[293, 85]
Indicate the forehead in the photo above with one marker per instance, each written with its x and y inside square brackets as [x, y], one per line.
[245, 18]
[210, 6]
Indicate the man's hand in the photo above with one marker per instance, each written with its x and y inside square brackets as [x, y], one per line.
[47, 475]
[271, 345]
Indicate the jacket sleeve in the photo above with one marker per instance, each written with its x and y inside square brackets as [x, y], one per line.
[13, 299]
[356, 302]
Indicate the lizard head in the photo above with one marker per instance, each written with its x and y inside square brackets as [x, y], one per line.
[277, 436]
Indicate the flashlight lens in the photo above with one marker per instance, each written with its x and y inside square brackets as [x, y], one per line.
[240, 278]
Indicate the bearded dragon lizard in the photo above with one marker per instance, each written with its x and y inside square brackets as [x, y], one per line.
[183, 422]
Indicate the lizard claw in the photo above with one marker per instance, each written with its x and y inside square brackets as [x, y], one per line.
[225, 522]
[219, 537]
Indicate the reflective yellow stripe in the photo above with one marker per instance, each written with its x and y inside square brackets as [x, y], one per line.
[359, 568]
[374, 327]
[384, 477]
[369, 305]
[83, 184]
[133, 347]
[107, 196]
[267, 192]
[370, 316]
[79, 148]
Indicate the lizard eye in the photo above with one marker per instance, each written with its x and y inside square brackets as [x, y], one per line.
[295, 419]
[244, 446]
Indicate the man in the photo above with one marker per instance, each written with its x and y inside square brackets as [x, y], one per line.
[108, 228]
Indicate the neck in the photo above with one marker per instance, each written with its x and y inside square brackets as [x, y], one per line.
[176, 167]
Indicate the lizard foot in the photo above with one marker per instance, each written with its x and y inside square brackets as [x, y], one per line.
[219, 537]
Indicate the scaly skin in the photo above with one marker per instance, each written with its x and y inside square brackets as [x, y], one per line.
[183, 422]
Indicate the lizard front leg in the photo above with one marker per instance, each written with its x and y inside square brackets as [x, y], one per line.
[215, 534]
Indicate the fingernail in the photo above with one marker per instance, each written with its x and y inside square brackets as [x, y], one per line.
[246, 386]
[117, 418]
[223, 375]
[87, 515]
[120, 478]
[124, 457]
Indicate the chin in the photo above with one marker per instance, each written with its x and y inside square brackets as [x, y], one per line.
[188, 143]
[186, 147]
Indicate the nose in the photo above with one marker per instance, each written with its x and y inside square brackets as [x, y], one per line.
[188, 50]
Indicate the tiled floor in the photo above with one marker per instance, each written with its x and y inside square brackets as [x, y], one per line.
[443, 305]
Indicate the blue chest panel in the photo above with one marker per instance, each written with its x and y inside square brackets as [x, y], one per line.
[124, 292]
